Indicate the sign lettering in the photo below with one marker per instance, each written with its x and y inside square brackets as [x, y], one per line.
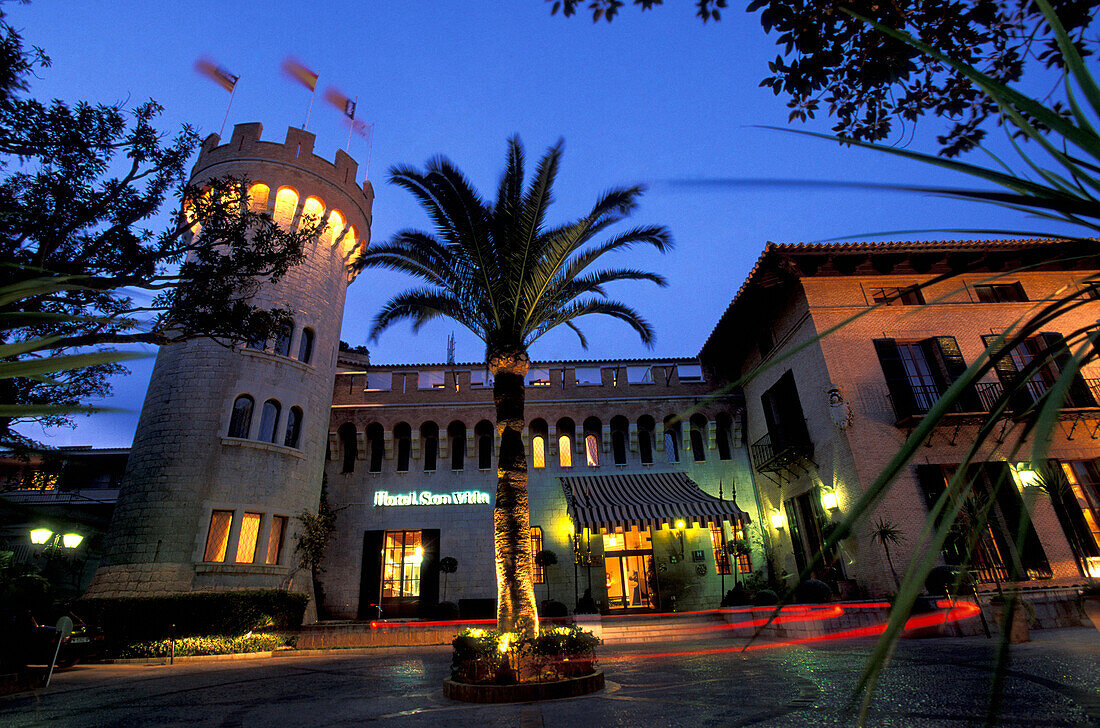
[428, 498]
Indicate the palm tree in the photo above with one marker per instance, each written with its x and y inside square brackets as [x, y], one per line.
[886, 532]
[499, 270]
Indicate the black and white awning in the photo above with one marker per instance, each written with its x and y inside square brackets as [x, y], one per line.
[643, 500]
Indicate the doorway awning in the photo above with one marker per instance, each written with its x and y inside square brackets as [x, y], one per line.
[643, 500]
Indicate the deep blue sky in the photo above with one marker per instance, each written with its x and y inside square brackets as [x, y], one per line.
[650, 98]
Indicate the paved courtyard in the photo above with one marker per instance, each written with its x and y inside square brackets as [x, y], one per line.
[1053, 681]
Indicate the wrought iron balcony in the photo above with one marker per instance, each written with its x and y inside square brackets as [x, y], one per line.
[770, 458]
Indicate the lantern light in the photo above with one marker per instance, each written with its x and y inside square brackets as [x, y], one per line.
[71, 540]
[680, 524]
[1029, 477]
[779, 521]
[829, 500]
[40, 535]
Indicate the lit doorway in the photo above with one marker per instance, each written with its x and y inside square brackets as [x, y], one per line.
[628, 562]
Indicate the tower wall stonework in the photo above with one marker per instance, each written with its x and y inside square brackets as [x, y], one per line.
[183, 465]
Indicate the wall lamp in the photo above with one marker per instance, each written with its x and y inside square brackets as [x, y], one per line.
[829, 500]
[779, 521]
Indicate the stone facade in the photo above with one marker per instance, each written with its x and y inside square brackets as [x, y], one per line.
[187, 462]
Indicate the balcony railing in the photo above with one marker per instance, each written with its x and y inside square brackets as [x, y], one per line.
[768, 457]
[923, 397]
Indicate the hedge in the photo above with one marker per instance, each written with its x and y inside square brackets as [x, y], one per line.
[127, 620]
[216, 645]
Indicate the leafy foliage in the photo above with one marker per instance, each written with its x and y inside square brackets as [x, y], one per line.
[214, 645]
[78, 185]
[872, 85]
[483, 656]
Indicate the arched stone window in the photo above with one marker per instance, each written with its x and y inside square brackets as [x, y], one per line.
[257, 197]
[240, 421]
[402, 437]
[698, 437]
[723, 428]
[312, 212]
[429, 438]
[593, 432]
[538, 429]
[456, 439]
[282, 339]
[672, 438]
[349, 447]
[269, 420]
[483, 432]
[305, 346]
[286, 202]
[293, 427]
[333, 228]
[646, 428]
[377, 444]
[566, 432]
[620, 431]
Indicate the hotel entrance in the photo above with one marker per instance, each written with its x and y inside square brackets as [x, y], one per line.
[400, 575]
[628, 561]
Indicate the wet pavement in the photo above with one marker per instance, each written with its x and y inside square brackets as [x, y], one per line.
[1051, 682]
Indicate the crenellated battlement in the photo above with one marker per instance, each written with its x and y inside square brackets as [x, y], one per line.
[245, 145]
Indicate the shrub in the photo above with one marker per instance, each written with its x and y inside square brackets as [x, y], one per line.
[198, 614]
[813, 591]
[765, 598]
[942, 578]
[736, 597]
[212, 645]
[445, 610]
[551, 608]
[486, 656]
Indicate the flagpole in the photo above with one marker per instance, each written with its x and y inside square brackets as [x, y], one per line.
[370, 148]
[309, 113]
[351, 126]
[221, 132]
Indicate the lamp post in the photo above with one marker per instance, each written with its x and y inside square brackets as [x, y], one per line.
[55, 541]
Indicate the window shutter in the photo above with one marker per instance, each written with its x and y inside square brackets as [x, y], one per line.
[933, 485]
[370, 579]
[1079, 394]
[1017, 521]
[795, 532]
[1019, 398]
[950, 365]
[897, 381]
[429, 572]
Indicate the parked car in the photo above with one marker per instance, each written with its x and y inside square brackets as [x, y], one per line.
[84, 644]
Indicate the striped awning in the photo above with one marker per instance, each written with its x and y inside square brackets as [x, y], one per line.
[643, 500]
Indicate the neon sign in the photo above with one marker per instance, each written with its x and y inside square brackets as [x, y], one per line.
[428, 498]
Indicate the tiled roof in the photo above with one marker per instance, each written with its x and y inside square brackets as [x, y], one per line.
[535, 363]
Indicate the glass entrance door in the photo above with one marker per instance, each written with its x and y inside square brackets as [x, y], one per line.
[628, 562]
[402, 555]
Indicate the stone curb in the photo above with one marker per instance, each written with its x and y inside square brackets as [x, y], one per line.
[569, 688]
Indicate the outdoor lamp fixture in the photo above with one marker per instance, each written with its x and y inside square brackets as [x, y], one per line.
[71, 540]
[40, 536]
[46, 537]
[680, 525]
[829, 500]
[1029, 477]
[779, 521]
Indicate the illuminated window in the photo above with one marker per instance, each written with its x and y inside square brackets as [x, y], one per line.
[293, 427]
[718, 543]
[241, 419]
[275, 539]
[217, 539]
[257, 197]
[565, 451]
[592, 450]
[334, 227]
[538, 451]
[402, 554]
[305, 346]
[538, 574]
[349, 242]
[269, 418]
[312, 211]
[282, 339]
[250, 534]
[39, 480]
[286, 201]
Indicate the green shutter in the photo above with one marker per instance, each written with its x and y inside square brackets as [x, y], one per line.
[1079, 394]
[897, 381]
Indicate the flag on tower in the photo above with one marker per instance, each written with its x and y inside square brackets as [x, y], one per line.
[300, 73]
[217, 74]
[340, 101]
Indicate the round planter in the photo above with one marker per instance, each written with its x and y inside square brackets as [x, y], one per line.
[524, 692]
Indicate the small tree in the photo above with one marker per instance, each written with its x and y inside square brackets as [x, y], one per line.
[544, 559]
[886, 532]
[447, 565]
[312, 543]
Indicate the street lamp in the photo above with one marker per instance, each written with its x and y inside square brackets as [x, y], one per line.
[49, 539]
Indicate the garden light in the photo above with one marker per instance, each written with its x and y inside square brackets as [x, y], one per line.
[40, 535]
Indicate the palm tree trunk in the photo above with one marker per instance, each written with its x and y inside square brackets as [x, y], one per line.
[516, 610]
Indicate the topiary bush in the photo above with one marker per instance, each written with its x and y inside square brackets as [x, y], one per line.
[127, 620]
[765, 598]
[813, 591]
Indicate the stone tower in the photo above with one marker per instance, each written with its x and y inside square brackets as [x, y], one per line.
[230, 445]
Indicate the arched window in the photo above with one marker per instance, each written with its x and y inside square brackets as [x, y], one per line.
[240, 421]
[429, 436]
[282, 339]
[305, 346]
[538, 430]
[349, 446]
[672, 439]
[349, 242]
[402, 436]
[456, 438]
[565, 451]
[619, 432]
[293, 427]
[312, 212]
[286, 202]
[333, 228]
[723, 426]
[566, 432]
[377, 444]
[698, 437]
[646, 427]
[269, 419]
[483, 431]
[257, 197]
[593, 432]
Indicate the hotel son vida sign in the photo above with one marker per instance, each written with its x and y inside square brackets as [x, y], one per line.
[428, 498]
